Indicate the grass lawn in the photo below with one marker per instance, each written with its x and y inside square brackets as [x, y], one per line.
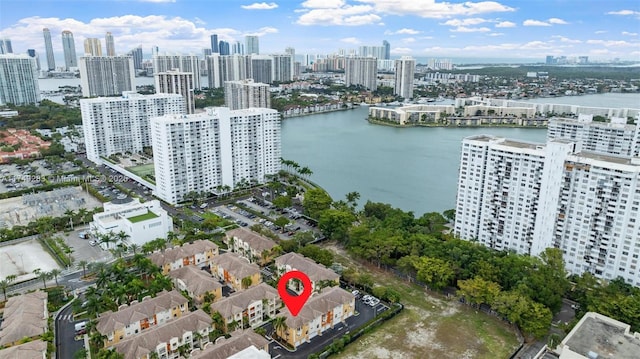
[142, 217]
[142, 170]
[431, 326]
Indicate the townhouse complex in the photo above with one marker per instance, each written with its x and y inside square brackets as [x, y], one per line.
[579, 192]
[199, 253]
[24, 320]
[319, 275]
[249, 244]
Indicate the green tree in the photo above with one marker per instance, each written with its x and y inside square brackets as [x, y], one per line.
[478, 290]
[280, 325]
[55, 273]
[335, 223]
[282, 202]
[318, 254]
[281, 222]
[246, 282]
[435, 272]
[316, 201]
[548, 283]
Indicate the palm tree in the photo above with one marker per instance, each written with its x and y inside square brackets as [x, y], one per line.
[122, 237]
[280, 326]
[246, 282]
[218, 321]
[305, 172]
[55, 272]
[4, 285]
[107, 238]
[42, 275]
[198, 336]
[82, 213]
[83, 264]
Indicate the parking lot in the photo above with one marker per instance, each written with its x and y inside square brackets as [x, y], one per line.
[82, 250]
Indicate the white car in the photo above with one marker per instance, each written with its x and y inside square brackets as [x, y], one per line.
[93, 243]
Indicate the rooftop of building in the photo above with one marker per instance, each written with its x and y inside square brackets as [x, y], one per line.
[239, 301]
[142, 217]
[236, 265]
[226, 348]
[36, 349]
[24, 316]
[606, 337]
[161, 258]
[318, 305]
[606, 158]
[315, 271]
[197, 280]
[256, 241]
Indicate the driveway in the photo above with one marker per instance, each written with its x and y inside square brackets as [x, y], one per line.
[81, 248]
[66, 345]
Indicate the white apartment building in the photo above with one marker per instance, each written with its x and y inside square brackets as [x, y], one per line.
[184, 63]
[282, 67]
[262, 68]
[221, 69]
[140, 222]
[405, 68]
[121, 124]
[526, 197]
[207, 151]
[178, 82]
[361, 71]
[106, 75]
[18, 80]
[616, 138]
[245, 94]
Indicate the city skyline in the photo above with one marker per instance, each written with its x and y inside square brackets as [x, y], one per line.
[504, 29]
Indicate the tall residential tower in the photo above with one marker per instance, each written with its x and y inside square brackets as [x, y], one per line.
[106, 75]
[18, 80]
[69, 49]
[51, 61]
[405, 68]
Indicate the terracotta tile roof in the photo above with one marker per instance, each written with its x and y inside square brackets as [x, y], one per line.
[256, 241]
[197, 281]
[109, 321]
[239, 301]
[316, 306]
[315, 271]
[176, 253]
[142, 344]
[238, 342]
[236, 265]
[24, 316]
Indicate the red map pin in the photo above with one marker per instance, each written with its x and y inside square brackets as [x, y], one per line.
[294, 302]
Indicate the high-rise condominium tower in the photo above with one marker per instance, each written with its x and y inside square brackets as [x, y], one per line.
[282, 68]
[292, 52]
[177, 82]
[137, 57]
[227, 68]
[18, 80]
[121, 124]
[5, 46]
[252, 45]
[262, 68]
[34, 55]
[387, 49]
[361, 71]
[69, 49]
[405, 68]
[109, 44]
[214, 44]
[224, 48]
[92, 46]
[204, 152]
[184, 63]
[51, 61]
[106, 75]
[246, 94]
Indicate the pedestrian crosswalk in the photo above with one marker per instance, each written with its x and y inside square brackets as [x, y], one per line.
[67, 318]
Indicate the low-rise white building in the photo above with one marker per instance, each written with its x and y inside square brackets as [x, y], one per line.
[140, 222]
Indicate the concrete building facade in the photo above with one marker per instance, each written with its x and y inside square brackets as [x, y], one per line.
[177, 82]
[18, 80]
[106, 75]
[361, 71]
[245, 94]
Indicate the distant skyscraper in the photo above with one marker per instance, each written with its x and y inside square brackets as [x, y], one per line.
[48, 47]
[291, 51]
[206, 52]
[155, 51]
[237, 48]
[109, 44]
[252, 44]
[223, 47]
[137, 57]
[69, 48]
[18, 80]
[387, 49]
[361, 71]
[214, 44]
[227, 68]
[282, 68]
[106, 75]
[93, 47]
[177, 82]
[33, 54]
[5, 46]
[246, 94]
[184, 63]
[262, 68]
[372, 51]
[405, 68]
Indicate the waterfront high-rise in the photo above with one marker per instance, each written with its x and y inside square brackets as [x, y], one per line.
[214, 44]
[48, 47]
[245, 94]
[34, 55]
[109, 44]
[526, 197]
[121, 124]
[387, 49]
[237, 48]
[18, 80]
[292, 52]
[372, 51]
[262, 68]
[136, 54]
[5, 46]
[227, 68]
[92, 46]
[405, 68]
[224, 48]
[177, 82]
[252, 44]
[361, 71]
[282, 68]
[106, 75]
[69, 49]
[184, 63]
[206, 152]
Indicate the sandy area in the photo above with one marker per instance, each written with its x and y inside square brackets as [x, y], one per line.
[22, 258]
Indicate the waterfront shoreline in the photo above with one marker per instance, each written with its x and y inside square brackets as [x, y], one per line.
[413, 125]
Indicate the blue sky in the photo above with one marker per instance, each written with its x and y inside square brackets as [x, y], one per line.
[600, 29]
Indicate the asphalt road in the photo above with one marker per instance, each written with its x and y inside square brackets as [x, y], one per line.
[66, 345]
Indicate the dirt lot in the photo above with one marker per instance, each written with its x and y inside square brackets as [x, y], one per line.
[431, 326]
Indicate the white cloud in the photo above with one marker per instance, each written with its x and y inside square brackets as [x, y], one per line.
[629, 33]
[263, 31]
[346, 16]
[535, 23]
[358, 20]
[470, 29]
[624, 12]
[409, 40]
[555, 20]
[350, 40]
[566, 39]
[506, 24]
[612, 43]
[402, 51]
[465, 22]
[260, 6]
[436, 10]
[323, 4]
[601, 32]
[403, 31]
[496, 34]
